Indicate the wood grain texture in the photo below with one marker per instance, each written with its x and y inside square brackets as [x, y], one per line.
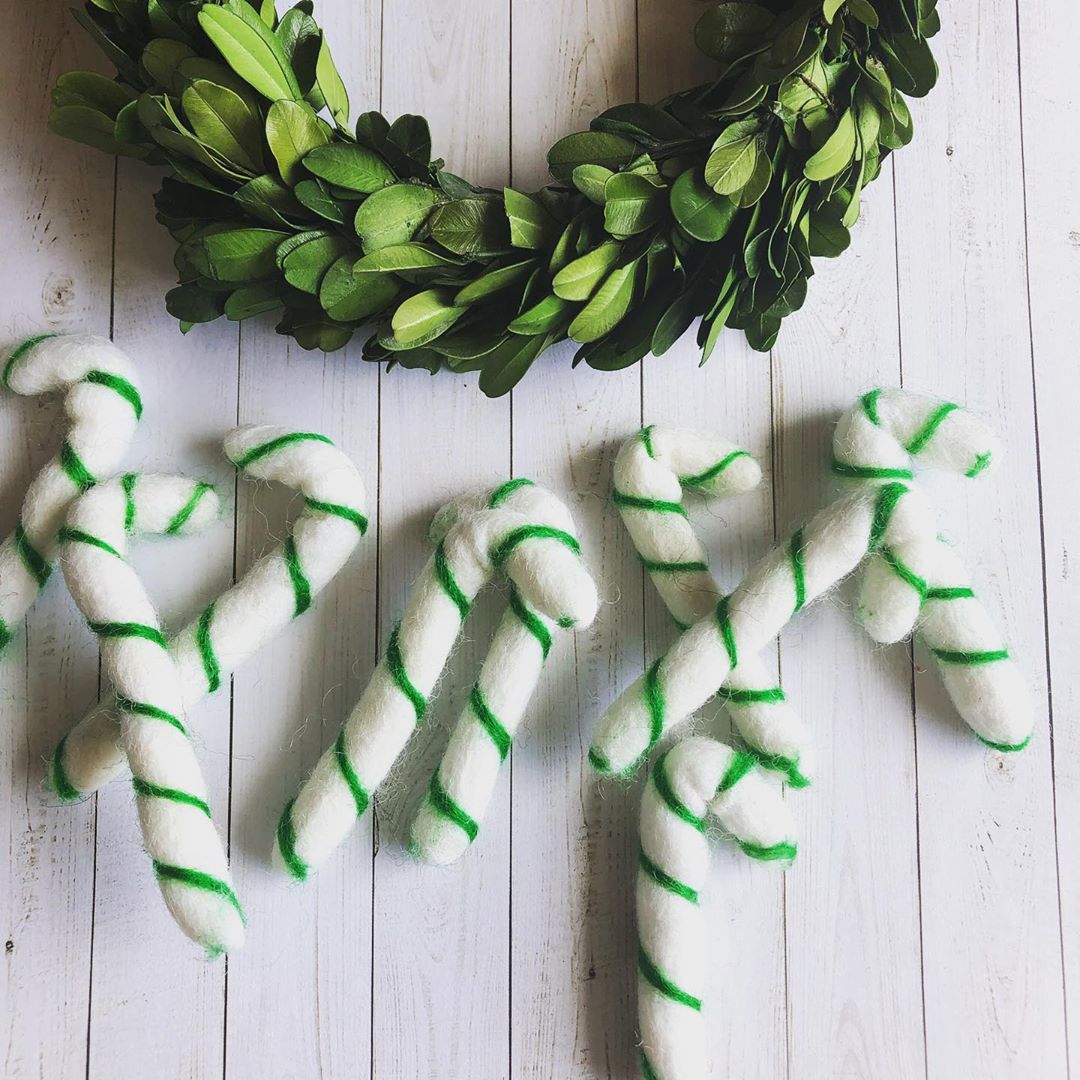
[928, 928]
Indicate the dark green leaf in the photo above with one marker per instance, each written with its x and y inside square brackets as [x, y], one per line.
[352, 167]
[589, 148]
[471, 227]
[699, 210]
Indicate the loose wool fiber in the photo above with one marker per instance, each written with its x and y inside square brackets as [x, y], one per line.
[652, 472]
[526, 534]
[887, 517]
[188, 856]
[103, 408]
[696, 780]
[278, 588]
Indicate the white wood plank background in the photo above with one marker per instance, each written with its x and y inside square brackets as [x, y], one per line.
[929, 928]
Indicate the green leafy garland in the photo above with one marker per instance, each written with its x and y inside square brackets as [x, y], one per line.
[711, 204]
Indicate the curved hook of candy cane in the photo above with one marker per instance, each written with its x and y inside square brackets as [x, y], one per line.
[276, 589]
[518, 530]
[921, 583]
[696, 779]
[103, 408]
[448, 820]
[188, 856]
[652, 471]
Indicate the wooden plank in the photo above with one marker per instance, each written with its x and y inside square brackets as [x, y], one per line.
[574, 844]
[1051, 161]
[441, 938]
[313, 941]
[57, 200]
[852, 897]
[746, 1002]
[991, 928]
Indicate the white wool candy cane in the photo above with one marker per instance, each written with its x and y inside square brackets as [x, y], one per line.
[103, 408]
[188, 856]
[276, 589]
[519, 530]
[884, 514]
[694, 781]
[652, 472]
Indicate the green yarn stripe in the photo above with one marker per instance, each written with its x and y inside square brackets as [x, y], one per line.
[702, 478]
[654, 701]
[870, 472]
[887, 499]
[129, 630]
[641, 502]
[196, 879]
[723, 623]
[203, 642]
[662, 984]
[267, 448]
[445, 577]
[981, 462]
[127, 483]
[928, 430]
[442, 803]
[741, 763]
[904, 572]
[504, 491]
[490, 722]
[72, 464]
[361, 799]
[776, 853]
[6, 634]
[146, 790]
[869, 402]
[951, 592]
[778, 763]
[665, 880]
[971, 659]
[185, 512]
[647, 1070]
[37, 567]
[301, 585]
[646, 440]
[670, 799]
[142, 708]
[772, 696]
[505, 548]
[63, 787]
[70, 535]
[655, 566]
[19, 353]
[531, 621]
[396, 666]
[286, 841]
[797, 559]
[118, 385]
[347, 513]
[1005, 748]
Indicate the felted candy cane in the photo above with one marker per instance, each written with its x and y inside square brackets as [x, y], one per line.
[279, 587]
[884, 514]
[102, 407]
[694, 781]
[188, 857]
[652, 471]
[519, 530]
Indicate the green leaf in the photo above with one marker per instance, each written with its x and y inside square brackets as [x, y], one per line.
[425, 316]
[827, 235]
[471, 227]
[352, 167]
[504, 368]
[589, 148]
[757, 185]
[251, 50]
[162, 59]
[531, 225]
[591, 181]
[293, 131]
[607, 307]
[253, 300]
[837, 152]
[266, 198]
[830, 8]
[224, 122]
[331, 86]
[392, 216]
[699, 210]
[494, 281]
[190, 303]
[305, 266]
[404, 257]
[733, 158]
[243, 254]
[314, 196]
[91, 90]
[85, 125]
[578, 280]
[632, 205]
[350, 297]
[542, 317]
[731, 30]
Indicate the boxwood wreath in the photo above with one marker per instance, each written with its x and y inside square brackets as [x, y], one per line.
[712, 204]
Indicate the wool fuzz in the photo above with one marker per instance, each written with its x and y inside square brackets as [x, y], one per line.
[912, 576]
[188, 856]
[652, 472]
[696, 780]
[521, 531]
[279, 587]
[102, 408]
